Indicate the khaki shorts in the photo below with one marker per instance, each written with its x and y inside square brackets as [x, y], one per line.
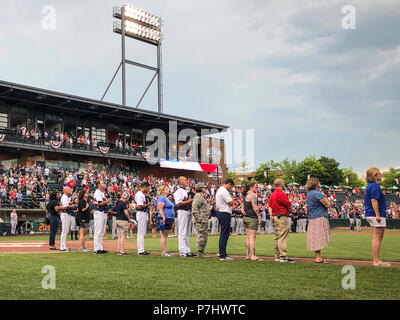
[374, 223]
[122, 226]
[250, 223]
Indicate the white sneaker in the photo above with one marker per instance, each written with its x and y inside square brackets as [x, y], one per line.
[166, 254]
[65, 250]
[83, 250]
[227, 258]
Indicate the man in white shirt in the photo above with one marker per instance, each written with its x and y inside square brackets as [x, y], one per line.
[142, 216]
[183, 204]
[224, 203]
[100, 217]
[14, 221]
[66, 206]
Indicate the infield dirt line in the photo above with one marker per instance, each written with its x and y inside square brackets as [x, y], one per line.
[111, 246]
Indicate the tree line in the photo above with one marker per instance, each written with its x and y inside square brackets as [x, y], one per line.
[326, 169]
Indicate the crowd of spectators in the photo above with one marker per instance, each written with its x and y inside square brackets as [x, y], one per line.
[72, 140]
[28, 187]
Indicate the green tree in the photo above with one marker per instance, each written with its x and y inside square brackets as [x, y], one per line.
[331, 174]
[270, 167]
[389, 178]
[309, 166]
[288, 167]
[354, 181]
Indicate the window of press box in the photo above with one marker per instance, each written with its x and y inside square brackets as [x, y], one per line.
[3, 120]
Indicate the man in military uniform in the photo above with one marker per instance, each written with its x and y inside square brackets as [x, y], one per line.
[201, 215]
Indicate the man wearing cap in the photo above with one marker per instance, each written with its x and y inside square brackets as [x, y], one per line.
[65, 215]
[200, 212]
[142, 216]
[184, 204]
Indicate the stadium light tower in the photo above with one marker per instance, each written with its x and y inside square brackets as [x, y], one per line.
[140, 25]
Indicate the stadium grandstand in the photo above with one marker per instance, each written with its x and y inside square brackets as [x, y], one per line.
[55, 130]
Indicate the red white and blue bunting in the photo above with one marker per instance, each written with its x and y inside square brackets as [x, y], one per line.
[2, 137]
[145, 155]
[104, 150]
[55, 144]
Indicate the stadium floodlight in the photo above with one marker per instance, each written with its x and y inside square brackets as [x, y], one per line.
[142, 16]
[143, 26]
[138, 24]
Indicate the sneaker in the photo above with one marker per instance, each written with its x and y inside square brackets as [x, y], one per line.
[144, 253]
[203, 255]
[287, 260]
[104, 251]
[166, 254]
[190, 255]
[121, 253]
[277, 260]
[65, 250]
[83, 250]
[228, 258]
[99, 252]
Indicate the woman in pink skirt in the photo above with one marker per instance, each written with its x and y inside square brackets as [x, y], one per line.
[318, 232]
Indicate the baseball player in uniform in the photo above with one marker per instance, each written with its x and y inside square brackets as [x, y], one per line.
[14, 221]
[142, 216]
[358, 220]
[100, 217]
[183, 204]
[66, 208]
[91, 221]
[233, 223]
[214, 221]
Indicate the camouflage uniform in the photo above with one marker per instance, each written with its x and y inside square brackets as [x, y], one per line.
[200, 212]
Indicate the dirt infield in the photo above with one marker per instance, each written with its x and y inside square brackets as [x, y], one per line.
[111, 246]
[43, 246]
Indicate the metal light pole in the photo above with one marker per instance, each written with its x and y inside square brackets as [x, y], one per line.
[143, 26]
[123, 57]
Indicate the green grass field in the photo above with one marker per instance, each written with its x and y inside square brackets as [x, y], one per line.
[87, 276]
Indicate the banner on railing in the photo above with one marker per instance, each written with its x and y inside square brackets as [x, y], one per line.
[186, 165]
[104, 150]
[55, 144]
[146, 155]
[2, 137]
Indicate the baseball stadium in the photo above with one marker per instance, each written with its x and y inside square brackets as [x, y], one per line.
[107, 201]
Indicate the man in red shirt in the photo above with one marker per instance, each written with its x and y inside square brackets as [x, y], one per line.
[279, 210]
[13, 196]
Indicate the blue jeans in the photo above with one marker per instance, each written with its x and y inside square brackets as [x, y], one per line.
[224, 219]
[54, 224]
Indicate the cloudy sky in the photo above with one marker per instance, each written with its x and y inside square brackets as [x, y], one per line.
[285, 68]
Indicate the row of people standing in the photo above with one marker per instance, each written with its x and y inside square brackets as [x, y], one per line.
[279, 207]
